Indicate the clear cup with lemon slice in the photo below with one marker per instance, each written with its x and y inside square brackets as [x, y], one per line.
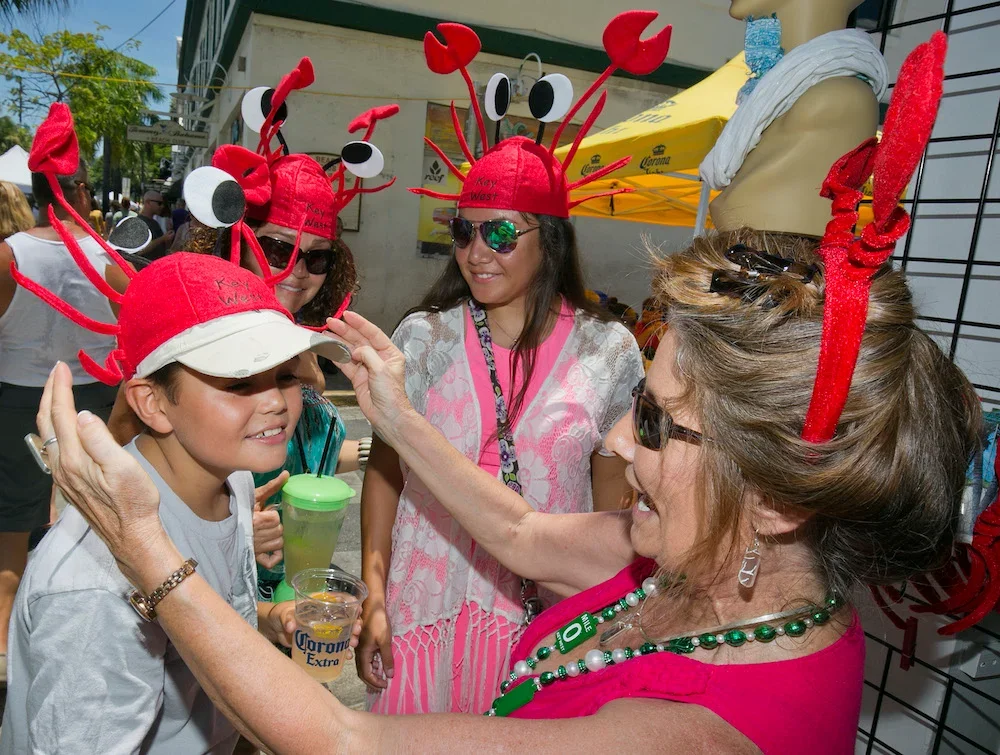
[327, 603]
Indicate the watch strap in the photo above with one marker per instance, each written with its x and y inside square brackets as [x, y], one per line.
[145, 605]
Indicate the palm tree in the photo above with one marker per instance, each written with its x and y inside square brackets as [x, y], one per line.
[10, 9]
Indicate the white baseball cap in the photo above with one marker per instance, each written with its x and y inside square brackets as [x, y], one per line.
[242, 344]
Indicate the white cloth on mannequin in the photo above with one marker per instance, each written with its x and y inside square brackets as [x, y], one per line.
[846, 52]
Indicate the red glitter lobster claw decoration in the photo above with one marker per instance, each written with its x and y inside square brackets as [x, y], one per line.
[518, 173]
[977, 592]
[852, 263]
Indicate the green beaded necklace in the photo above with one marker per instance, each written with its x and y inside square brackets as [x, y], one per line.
[583, 627]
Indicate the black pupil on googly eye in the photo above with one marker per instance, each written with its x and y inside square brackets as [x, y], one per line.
[541, 98]
[228, 202]
[501, 97]
[356, 153]
[265, 107]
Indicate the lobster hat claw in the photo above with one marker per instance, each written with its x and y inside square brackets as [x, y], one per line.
[55, 149]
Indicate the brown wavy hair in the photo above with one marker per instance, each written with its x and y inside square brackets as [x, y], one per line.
[885, 492]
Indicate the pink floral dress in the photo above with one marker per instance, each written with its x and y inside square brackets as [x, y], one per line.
[455, 612]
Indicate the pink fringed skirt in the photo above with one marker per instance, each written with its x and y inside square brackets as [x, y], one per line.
[453, 666]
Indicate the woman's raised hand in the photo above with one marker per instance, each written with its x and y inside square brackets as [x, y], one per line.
[102, 480]
[376, 371]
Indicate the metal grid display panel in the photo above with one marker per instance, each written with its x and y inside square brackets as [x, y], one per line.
[953, 252]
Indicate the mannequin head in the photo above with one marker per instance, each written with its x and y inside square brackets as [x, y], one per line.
[740, 9]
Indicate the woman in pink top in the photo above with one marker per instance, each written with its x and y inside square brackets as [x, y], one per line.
[443, 615]
[711, 617]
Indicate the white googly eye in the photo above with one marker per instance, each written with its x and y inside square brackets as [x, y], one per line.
[130, 235]
[214, 197]
[551, 97]
[363, 159]
[497, 96]
[256, 106]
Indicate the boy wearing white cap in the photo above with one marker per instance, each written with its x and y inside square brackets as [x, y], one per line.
[208, 357]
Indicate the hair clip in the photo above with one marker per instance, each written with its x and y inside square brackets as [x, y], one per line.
[756, 263]
[756, 268]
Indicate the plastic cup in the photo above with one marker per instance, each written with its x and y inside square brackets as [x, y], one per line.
[313, 511]
[327, 603]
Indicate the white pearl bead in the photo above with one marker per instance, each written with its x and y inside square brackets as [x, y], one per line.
[751, 637]
[600, 619]
[780, 631]
[521, 668]
[808, 622]
[618, 655]
[720, 638]
[632, 599]
[695, 641]
[572, 669]
[594, 660]
[649, 586]
[660, 648]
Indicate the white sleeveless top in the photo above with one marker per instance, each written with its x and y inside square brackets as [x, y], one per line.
[33, 336]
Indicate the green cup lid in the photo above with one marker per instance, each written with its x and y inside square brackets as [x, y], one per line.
[316, 493]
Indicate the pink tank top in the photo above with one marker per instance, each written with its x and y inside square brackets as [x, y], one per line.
[808, 704]
[545, 359]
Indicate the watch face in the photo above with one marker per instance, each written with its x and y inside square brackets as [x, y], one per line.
[138, 602]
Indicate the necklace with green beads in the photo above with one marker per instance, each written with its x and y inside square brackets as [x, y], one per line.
[794, 623]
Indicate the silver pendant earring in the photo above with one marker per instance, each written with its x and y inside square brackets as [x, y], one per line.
[751, 563]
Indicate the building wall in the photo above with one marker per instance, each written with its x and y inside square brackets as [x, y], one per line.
[355, 71]
[704, 35]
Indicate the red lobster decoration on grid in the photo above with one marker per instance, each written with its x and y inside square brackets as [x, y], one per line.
[549, 100]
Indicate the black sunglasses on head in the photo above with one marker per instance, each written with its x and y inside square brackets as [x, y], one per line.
[500, 235]
[651, 423]
[278, 252]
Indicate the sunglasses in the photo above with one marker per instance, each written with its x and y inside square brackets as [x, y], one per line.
[278, 252]
[500, 235]
[651, 423]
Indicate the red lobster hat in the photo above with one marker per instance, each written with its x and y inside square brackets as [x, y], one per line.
[519, 173]
[194, 309]
[303, 195]
[851, 262]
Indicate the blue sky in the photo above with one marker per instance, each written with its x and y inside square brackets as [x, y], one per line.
[158, 45]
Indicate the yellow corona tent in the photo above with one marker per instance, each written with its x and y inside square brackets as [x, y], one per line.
[667, 143]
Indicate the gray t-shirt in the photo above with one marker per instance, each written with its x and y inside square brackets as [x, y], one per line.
[85, 673]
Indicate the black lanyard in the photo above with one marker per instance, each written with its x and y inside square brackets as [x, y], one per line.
[529, 593]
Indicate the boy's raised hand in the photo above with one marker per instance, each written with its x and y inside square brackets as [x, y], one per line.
[267, 530]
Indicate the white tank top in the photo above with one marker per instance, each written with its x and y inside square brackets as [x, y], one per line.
[33, 336]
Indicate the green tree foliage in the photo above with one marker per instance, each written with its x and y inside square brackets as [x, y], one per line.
[11, 133]
[106, 89]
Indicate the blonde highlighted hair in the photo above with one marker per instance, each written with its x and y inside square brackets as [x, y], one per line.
[15, 213]
[883, 495]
